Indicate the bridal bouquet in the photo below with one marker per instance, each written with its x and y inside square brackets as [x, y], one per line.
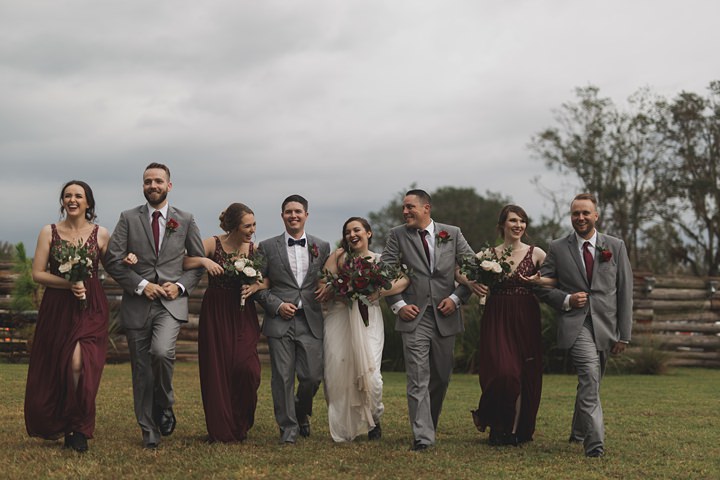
[247, 268]
[486, 267]
[75, 263]
[360, 277]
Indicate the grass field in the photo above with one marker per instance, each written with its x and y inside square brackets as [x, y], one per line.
[656, 427]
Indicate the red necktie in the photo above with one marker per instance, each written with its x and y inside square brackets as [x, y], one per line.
[587, 256]
[423, 234]
[156, 230]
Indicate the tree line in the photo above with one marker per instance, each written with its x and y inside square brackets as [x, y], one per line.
[653, 164]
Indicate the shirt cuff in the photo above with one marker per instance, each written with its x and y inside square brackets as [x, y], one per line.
[455, 299]
[397, 306]
[566, 304]
[181, 287]
[141, 287]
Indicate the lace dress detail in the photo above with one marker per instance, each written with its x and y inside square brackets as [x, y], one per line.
[513, 285]
[220, 257]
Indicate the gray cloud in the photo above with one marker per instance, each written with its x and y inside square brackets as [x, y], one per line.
[344, 102]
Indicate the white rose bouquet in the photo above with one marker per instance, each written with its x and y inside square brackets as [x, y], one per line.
[75, 263]
[486, 267]
[249, 269]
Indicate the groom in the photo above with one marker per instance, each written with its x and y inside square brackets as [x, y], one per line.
[428, 315]
[594, 296]
[155, 296]
[293, 322]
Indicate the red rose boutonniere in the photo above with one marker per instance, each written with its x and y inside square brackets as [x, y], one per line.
[314, 251]
[443, 236]
[605, 254]
[171, 225]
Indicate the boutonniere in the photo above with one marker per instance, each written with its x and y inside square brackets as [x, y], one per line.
[314, 251]
[605, 254]
[443, 236]
[171, 225]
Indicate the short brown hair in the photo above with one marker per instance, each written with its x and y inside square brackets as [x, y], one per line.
[161, 166]
[505, 212]
[585, 196]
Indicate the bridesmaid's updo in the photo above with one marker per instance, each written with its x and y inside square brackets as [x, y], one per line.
[231, 217]
[366, 225]
[505, 212]
[90, 212]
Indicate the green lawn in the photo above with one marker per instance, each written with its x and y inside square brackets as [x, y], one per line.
[656, 427]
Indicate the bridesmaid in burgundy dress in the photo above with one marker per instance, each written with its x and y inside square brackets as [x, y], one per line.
[228, 334]
[510, 349]
[70, 342]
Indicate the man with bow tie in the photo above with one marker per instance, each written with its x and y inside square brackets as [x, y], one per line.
[293, 320]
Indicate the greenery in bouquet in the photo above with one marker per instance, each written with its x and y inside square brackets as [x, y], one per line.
[486, 267]
[75, 263]
[247, 268]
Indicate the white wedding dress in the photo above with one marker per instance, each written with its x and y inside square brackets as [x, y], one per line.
[353, 382]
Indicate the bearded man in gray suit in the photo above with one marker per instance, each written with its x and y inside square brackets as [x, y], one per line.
[593, 292]
[155, 295]
[293, 322]
[428, 315]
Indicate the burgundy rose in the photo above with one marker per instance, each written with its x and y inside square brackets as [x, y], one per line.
[605, 254]
[443, 236]
[171, 225]
[361, 283]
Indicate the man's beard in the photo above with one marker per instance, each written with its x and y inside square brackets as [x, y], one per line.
[161, 199]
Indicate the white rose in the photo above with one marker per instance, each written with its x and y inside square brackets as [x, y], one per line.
[249, 272]
[497, 268]
[240, 264]
[487, 265]
[65, 267]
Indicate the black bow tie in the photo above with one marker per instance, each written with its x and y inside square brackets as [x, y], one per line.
[292, 241]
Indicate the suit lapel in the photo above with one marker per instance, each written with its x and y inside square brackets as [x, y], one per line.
[284, 259]
[416, 241]
[575, 254]
[171, 213]
[144, 214]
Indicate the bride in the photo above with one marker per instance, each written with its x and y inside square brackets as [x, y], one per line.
[353, 352]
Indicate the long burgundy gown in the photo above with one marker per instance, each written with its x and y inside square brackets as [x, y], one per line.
[53, 406]
[510, 356]
[228, 357]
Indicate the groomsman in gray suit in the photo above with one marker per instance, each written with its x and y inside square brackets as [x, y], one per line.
[594, 296]
[428, 315]
[293, 320]
[155, 295]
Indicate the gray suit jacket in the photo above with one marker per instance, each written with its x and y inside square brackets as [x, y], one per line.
[428, 288]
[611, 292]
[284, 286]
[133, 233]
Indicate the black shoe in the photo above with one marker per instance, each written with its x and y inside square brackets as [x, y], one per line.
[165, 421]
[595, 453]
[304, 430]
[150, 446]
[496, 439]
[68, 440]
[78, 442]
[419, 447]
[375, 433]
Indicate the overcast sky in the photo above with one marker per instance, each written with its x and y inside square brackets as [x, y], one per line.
[345, 102]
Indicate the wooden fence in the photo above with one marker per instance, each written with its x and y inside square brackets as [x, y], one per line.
[680, 315]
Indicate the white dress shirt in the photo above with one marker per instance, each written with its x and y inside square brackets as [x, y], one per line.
[299, 259]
